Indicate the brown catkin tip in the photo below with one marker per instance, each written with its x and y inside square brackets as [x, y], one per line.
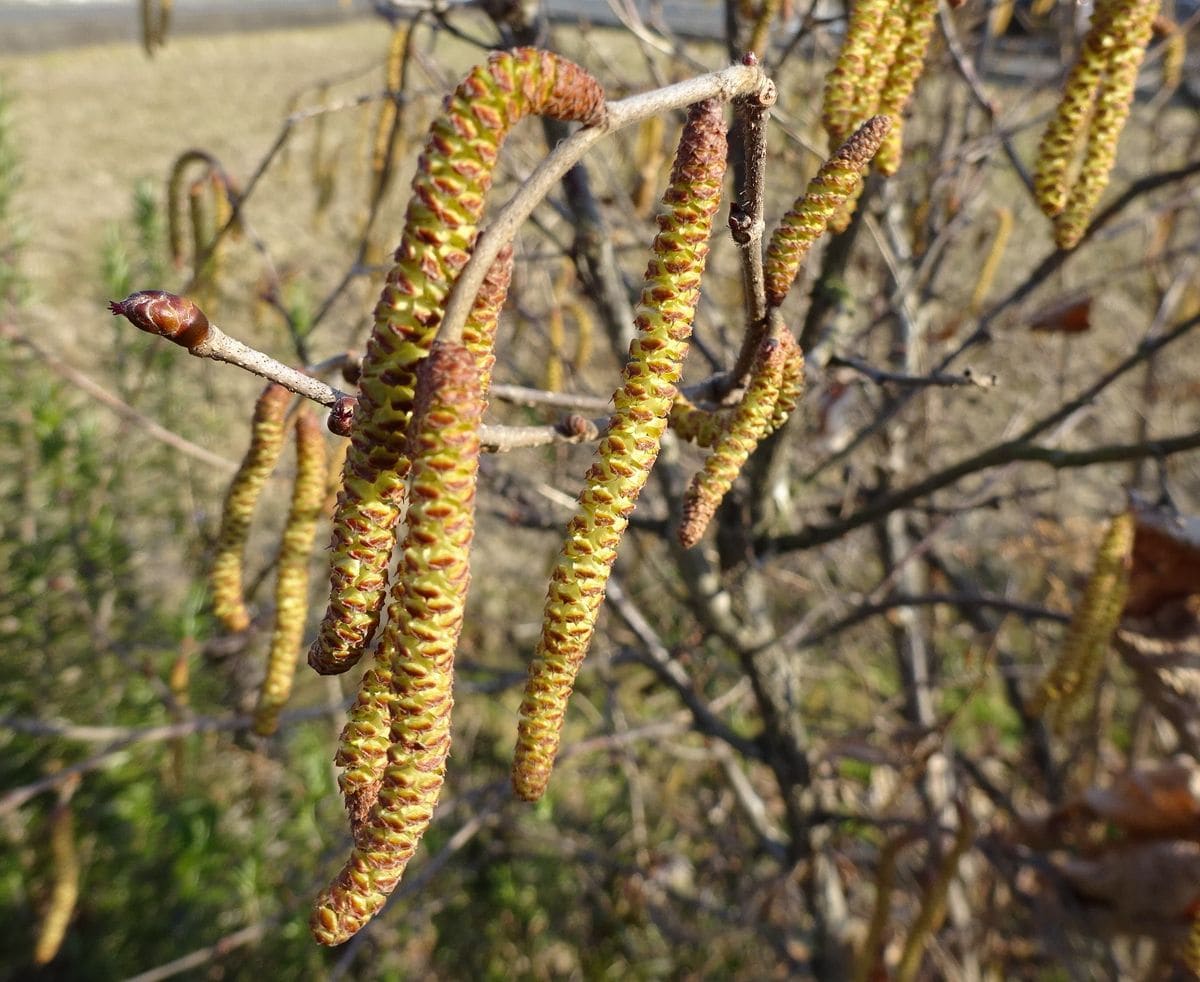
[1094, 621]
[407, 695]
[266, 442]
[624, 457]
[751, 422]
[809, 216]
[175, 318]
[453, 176]
[291, 582]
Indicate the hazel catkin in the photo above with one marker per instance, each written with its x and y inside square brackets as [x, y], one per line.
[1094, 620]
[266, 442]
[624, 457]
[807, 219]
[453, 175]
[750, 423]
[424, 621]
[363, 746]
[291, 574]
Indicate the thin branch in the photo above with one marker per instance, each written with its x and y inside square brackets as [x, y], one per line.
[14, 799]
[86, 384]
[202, 956]
[879, 376]
[727, 84]
[746, 217]
[520, 395]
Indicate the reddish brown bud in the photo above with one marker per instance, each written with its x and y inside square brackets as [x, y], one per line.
[341, 415]
[170, 316]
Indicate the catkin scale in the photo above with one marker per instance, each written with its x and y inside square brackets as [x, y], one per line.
[424, 622]
[363, 746]
[266, 442]
[1094, 620]
[291, 575]
[806, 221]
[750, 423]
[624, 457]
[453, 175]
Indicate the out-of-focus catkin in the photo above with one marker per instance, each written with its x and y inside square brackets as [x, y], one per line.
[291, 575]
[807, 219]
[907, 66]
[1094, 621]
[1129, 32]
[64, 865]
[453, 175]
[424, 621]
[664, 321]
[860, 49]
[266, 442]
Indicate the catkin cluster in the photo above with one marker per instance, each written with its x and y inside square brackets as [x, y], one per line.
[416, 653]
[453, 175]
[1079, 145]
[882, 56]
[211, 197]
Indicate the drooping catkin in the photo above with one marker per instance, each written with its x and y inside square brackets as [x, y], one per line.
[1094, 620]
[1066, 131]
[364, 742]
[1174, 51]
[424, 621]
[176, 190]
[64, 864]
[389, 122]
[987, 272]
[859, 51]
[624, 457]
[791, 381]
[266, 442]
[291, 575]
[453, 175]
[808, 217]
[750, 423]
[556, 336]
[906, 68]
[585, 330]
[1131, 26]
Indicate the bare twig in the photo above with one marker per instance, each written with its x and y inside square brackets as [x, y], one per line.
[727, 84]
[85, 383]
[881, 376]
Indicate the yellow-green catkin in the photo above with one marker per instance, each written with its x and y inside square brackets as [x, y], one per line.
[389, 122]
[987, 272]
[860, 51]
[291, 575]
[897, 91]
[1174, 51]
[266, 442]
[806, 221]
[556, 335]
[1130, 29]
[670, 292]
[362, 749]
[64, 863]
[453, 175]
[933, 904]
[751, 422]
[1095, 618]
[791, 381]
[176, 191]
[424, 621]
[585, 331]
